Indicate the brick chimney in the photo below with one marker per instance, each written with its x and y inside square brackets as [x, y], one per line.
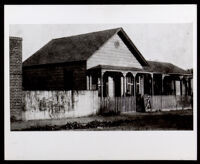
[15, 78]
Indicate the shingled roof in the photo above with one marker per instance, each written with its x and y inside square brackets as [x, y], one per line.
[162, 67]
[67, 49]
[77, 48]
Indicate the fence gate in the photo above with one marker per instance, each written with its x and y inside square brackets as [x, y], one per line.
[117, 104]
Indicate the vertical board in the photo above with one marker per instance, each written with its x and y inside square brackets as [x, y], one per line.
[118, 104]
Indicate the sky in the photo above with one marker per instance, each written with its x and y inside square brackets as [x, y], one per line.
[159, 42]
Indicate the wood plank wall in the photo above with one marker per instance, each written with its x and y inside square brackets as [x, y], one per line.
[113, 55]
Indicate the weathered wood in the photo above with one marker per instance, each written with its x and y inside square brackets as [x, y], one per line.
[118, 104]
[128, 104]
[114, 56]
[170, 102]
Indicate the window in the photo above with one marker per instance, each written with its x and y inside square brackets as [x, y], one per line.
[129, 86]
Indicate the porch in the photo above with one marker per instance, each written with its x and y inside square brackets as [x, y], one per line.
[112, 81]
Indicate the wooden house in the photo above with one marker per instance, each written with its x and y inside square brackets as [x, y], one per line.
[106, 61]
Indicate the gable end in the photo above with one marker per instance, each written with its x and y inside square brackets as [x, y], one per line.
[132, 48]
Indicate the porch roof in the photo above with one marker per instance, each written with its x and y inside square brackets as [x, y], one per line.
[163, 67]
[155, 67]
[109, 67]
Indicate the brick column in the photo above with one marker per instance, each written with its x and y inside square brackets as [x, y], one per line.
[15, 78]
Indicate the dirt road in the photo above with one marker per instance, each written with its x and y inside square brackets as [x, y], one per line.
[172, 120]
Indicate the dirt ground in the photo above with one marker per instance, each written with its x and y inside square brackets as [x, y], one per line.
[169, 120]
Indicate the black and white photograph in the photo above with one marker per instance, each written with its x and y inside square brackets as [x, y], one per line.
[76, 75]
[100, 80]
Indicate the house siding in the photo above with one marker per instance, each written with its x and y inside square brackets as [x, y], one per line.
[111, 55]
[51, 77]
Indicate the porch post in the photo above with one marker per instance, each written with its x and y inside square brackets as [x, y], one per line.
[88, 82]
[124, 84]
[187, 86]
[191, 85]
[152, 84]
[162, 86]
[190, 88]
[134, 83]
[174, 87]
[181, 84]
[139, 84]
[101, 81]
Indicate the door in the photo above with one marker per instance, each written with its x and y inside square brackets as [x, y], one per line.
[178, 88]
[111, 86]
[140, 103]
[140, 94]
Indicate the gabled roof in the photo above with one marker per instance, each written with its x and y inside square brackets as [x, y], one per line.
[78, 48]
[162, 67]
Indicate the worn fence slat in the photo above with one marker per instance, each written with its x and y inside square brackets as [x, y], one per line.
[158, 102]
[118, 104]
[168, 102]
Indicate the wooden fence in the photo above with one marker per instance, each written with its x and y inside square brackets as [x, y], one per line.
[169, 102]
[117, 104]
[150, 103]
[65, 104]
